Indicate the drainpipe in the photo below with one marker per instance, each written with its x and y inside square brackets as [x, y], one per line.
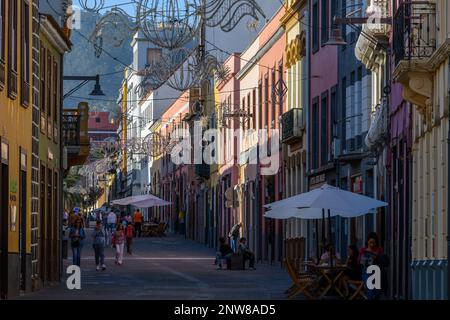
[448, 194]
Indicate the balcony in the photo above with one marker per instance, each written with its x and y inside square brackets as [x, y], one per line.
[293, 126]
[75, 134]
[414, 50]
[415, 31]
[371, 44]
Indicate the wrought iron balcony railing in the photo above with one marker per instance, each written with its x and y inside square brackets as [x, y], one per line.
[414, 30]
[292, 126]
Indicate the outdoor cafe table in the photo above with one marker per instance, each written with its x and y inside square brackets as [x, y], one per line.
[148, 228]
[331, 274]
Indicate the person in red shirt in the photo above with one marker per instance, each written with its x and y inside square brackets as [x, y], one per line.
[129, 233]
[137, 219]
[373, 254]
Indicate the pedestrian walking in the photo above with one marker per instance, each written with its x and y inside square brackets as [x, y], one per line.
[99, 238]
[234, 236]
[129, 237]
[119, 242]
[111, 219]
[76, 236]
[137, 217]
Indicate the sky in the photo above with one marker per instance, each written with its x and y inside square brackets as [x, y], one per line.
[127, 5]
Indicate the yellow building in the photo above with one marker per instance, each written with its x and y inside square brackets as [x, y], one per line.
[294, 136]
[422, 66]
[53, 44]
[16, 148]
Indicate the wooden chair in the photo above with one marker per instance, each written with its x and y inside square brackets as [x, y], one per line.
[161, 230]
[300, 282]
[358, 287]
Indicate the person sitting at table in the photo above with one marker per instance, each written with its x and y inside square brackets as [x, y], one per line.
[373, 254]
[354, 268]
[245, 251]
[224, 252]
[330, 257]
[353, 271]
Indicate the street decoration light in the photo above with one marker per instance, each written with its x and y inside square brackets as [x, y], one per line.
[168, 23]
[92, 5]
[171, 24]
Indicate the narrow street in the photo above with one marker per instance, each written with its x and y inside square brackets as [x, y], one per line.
[165, 269]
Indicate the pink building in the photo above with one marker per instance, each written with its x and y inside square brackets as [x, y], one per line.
[100, 127]
[323, 78]
[229, 96]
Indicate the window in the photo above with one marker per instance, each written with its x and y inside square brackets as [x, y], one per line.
[153, 56]
[254, 110]
[324, 21]
[243, 108]
[273, 98]
[315, 27]
[342, 123]
[2, 43]
[266, 100]
[359, 105]
[260, 105]
[248, 110]
[280, 87]
[333, 12]
[12, 21]
[344, 26]
[49, 86]
[55, 90]
[25, 54]
[333, 107]
[43, 87]
[97, 120]
[324, 130]
[315, 134]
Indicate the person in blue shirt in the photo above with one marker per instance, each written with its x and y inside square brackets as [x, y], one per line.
[99, 238]
[77, 236]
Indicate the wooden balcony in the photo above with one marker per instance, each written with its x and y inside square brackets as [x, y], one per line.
[75, 134]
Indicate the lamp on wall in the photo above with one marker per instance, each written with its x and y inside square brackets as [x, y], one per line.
[336, 38]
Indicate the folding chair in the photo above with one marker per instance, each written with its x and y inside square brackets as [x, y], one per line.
[358, 287]
[300, 282]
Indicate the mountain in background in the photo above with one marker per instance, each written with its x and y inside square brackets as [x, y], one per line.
[81, 61]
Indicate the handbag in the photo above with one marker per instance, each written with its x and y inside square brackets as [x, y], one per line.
[75, 243]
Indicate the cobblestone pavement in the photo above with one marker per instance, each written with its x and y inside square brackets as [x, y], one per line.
[168, 268]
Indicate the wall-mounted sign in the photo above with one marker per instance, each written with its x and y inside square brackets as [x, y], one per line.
[317, 179]
[13, 218]
[13, 186]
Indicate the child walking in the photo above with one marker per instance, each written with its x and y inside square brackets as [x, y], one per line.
[129, 235]
[119, 242]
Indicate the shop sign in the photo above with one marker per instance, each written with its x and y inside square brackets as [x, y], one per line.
[317, 179]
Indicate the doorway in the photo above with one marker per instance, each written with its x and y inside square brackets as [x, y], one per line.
[42, 199]
[4, 205]
[23, 227]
